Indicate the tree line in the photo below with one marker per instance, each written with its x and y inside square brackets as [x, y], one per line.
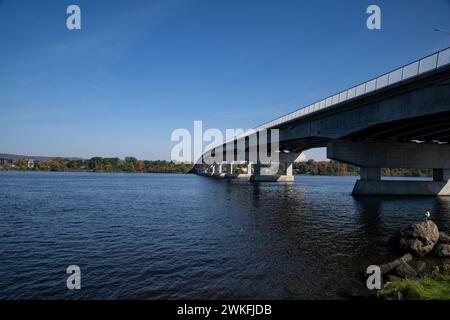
[131, 164]
[336, 168]
[99, 164]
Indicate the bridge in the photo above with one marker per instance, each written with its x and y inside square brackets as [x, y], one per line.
[400, 119]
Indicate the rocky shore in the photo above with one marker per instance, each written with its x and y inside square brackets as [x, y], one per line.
[417, 275]
[422, 270]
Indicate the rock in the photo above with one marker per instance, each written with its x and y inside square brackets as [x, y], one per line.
[418, 266]
[392, 278]
[446, 268]
[444, 238]
[385, 268]
[404, 270]
[442, 250]
[419, 238]
[436, 272]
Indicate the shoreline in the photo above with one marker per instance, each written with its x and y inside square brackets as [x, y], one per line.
[188, 172]
[79, 171]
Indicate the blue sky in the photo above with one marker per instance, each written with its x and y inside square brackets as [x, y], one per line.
[140, 69]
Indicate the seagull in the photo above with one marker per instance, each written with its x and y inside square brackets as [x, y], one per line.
[427, 215]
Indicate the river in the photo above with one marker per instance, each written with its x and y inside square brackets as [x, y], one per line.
[171, 236]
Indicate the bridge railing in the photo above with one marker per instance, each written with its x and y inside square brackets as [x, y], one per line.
[416, 68]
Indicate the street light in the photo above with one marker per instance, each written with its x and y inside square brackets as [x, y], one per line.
[442, 30]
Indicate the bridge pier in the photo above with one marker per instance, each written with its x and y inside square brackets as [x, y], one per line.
[441, 174]
[219, 172]
[204, 169]
[401, 187]
[372, 156]
[289, 167]
[229, 167]
[249, 168]
[253, 171]
[286, 161]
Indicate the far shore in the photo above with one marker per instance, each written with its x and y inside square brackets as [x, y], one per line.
[133, 165]
[188, 172]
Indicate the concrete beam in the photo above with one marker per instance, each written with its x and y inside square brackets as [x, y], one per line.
[401, 188]
[390, 155]
[370, 174]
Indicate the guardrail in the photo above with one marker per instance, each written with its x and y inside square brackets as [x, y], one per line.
[416, 68]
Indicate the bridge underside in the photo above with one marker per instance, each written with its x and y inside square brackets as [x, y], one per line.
[432, 128]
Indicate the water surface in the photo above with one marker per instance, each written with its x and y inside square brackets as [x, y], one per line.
[163, 236]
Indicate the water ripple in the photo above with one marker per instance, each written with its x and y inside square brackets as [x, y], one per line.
[151, 236]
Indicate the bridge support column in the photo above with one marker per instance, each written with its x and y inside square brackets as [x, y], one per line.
[287, 163]
[370, 173]
[249, 168]
[210, 170]
[229, 173]
[289, 169]
[204, 169]
[257, 169]
[441, 174]
[219, 171]
[255, 174]
[215, 167]
[372, 156]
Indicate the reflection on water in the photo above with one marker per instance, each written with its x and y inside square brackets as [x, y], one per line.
[156, 236]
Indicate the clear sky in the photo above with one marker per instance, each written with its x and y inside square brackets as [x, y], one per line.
[137, 70]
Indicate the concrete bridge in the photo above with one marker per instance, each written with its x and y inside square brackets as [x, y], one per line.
[400, 119]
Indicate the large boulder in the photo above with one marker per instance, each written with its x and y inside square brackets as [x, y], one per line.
[419, 238]
[442, 247]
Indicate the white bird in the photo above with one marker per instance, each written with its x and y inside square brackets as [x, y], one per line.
[427, 215]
